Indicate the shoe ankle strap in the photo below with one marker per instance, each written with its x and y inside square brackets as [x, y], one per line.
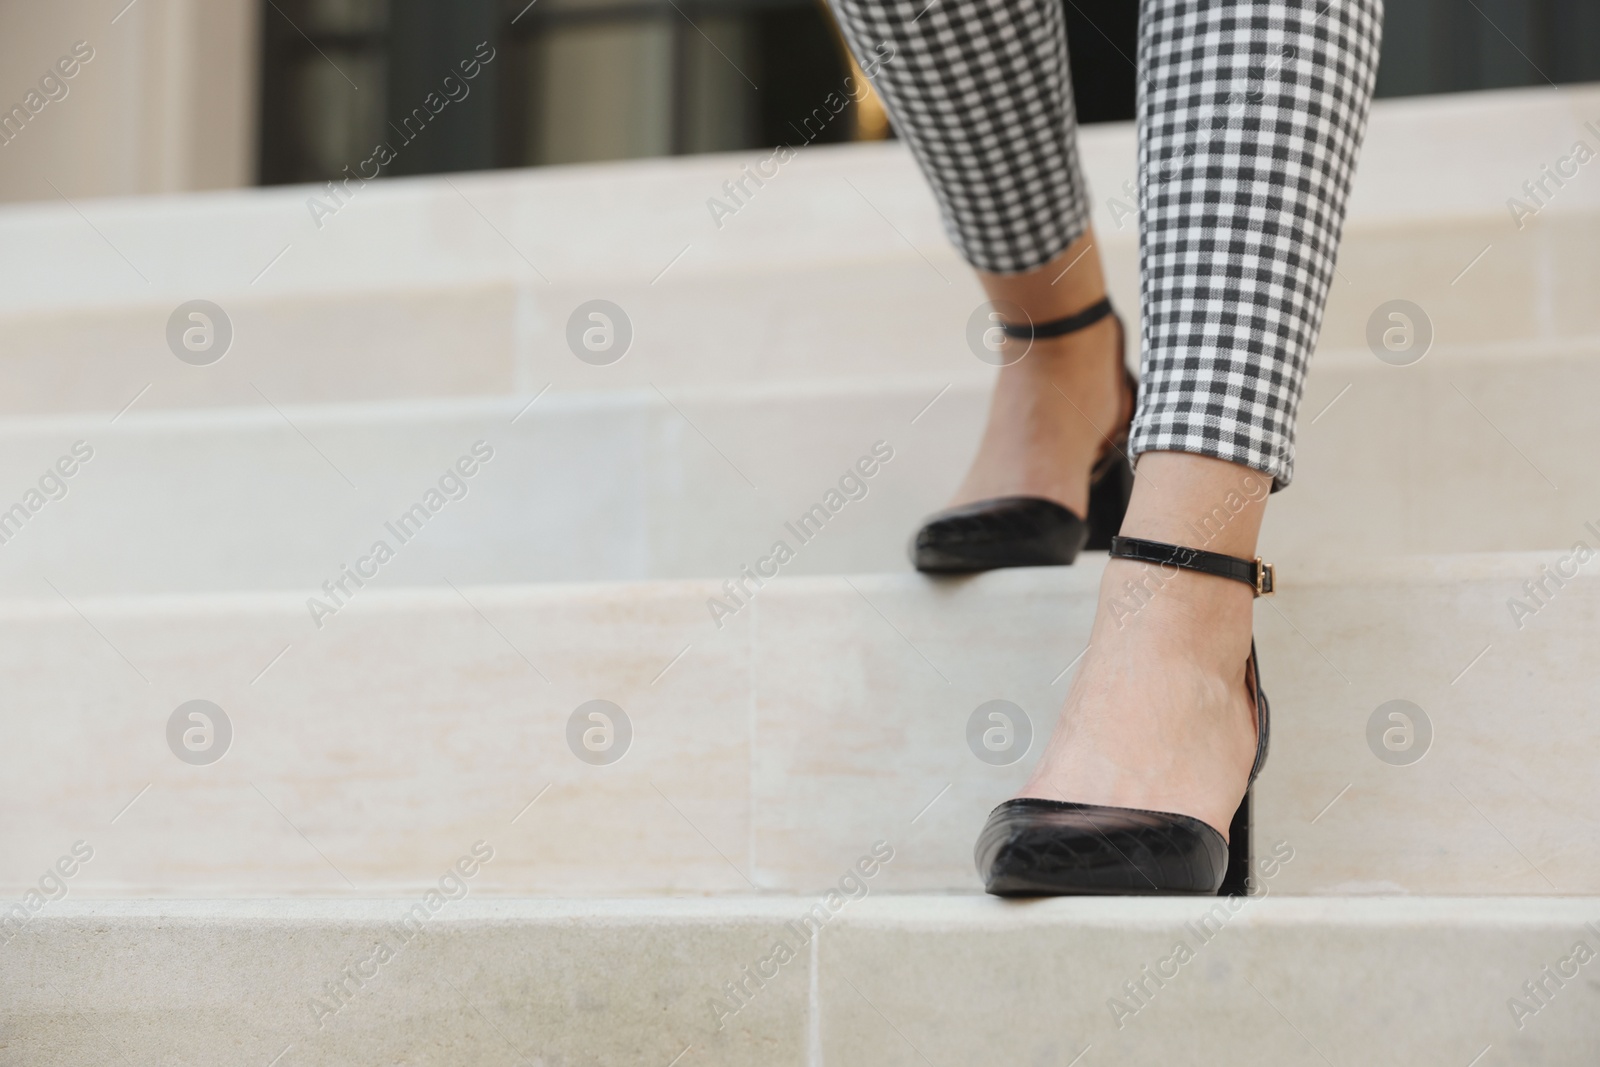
[1090, 315]
[1257, 575]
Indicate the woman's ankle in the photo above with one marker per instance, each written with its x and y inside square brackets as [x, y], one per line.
[1070, 282]
[1196, 501]
[1058, 399]
[1050, 419]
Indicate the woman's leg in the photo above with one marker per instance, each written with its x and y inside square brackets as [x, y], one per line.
[1158, 716]
[982, 94]
[1251, 114]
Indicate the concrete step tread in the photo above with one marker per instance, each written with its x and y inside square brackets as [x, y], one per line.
[934, 911]
[825, 712]
[492, 269]
[586, 220]
[884, 980]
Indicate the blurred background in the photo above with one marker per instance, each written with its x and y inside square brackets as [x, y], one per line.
[202, 94]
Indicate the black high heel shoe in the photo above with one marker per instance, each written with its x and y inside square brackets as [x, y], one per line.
[1033, 847]
[1031, 531]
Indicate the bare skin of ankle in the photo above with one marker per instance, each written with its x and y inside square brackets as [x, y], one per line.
[1053, 410]
[1159, 715]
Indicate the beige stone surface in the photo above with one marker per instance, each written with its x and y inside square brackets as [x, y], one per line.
[771, 753]
[1472, 449]
[1476, 448]
[895, 980]
[482, 983]
[838, 268]
[863, 694]
[1281, 981]
[441, 341]
[375, 749]
[1500, 803]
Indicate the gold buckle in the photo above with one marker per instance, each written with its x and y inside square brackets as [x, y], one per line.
[1266, 578]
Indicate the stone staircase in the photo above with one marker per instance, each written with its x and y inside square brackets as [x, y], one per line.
[399, 835]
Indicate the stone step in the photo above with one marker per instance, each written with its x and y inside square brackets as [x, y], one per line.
[1473, 449]
[887, 980]
[760, 753]
[465, 285]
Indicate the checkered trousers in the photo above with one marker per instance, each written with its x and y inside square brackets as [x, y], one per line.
[1251, 114]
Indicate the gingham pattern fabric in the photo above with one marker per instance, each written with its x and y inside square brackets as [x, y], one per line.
[981, 92]
[1251, 114]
